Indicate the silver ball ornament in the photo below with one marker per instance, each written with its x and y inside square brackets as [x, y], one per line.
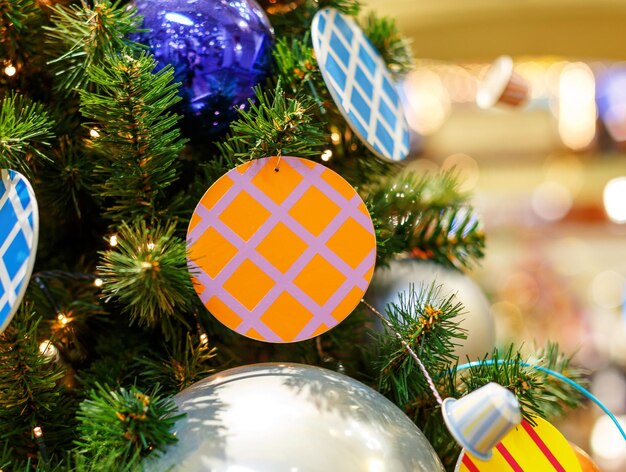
[476, 319]
[292, 418]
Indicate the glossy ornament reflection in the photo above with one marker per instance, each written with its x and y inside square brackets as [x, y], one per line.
[220, 49]
[291, 417]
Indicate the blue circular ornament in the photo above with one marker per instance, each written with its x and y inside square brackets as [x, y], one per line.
[360, 84]
[19, 230]
[220, 50]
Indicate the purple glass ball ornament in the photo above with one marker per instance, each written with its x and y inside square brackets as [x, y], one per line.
[220, 50]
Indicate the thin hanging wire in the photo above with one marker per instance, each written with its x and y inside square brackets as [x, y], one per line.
[409, 349]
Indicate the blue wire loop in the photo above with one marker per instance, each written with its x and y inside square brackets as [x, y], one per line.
[559, 376]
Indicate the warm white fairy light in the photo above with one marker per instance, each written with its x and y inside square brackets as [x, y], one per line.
[98, 282]
[151, 246]
[38, 431]
[204, 339]
[335, 137]
[49, 350]
[94, 133]
[113, 240]
[63, 319]
[326, 155]
[577, 106]
[10, 70]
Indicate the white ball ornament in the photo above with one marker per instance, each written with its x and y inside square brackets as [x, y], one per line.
[291, 417]
[476, 318]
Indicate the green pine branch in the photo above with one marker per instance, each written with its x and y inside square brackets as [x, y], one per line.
[68, 182]
[121, 426]
[426, 217]
[31, 392]
[453, 237]
[295, 20]
[297, 67]
[557, 397]
[88, 33]
[135, 135]
[107, 460]
[184, 364]
[19, 24]
[25, 127]
[146, 273]
[275, 126]
[115, 355]
[429, 324]
[426, 321]
[538, 393]
[394, 48]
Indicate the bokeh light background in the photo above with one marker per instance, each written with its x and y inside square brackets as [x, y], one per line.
[548, 178]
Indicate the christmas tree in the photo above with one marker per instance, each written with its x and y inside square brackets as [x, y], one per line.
[111, 327]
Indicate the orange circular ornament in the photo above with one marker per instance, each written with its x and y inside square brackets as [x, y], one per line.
[281, 249]
[586, 463]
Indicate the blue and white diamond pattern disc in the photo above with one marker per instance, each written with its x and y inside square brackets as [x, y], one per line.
[360, 84]
[19, 228]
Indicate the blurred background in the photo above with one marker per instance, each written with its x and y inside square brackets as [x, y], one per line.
[548, 176]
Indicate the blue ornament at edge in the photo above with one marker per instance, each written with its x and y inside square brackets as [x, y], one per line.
[220, 50]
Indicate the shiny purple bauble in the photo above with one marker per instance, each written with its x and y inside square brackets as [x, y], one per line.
[220, 49]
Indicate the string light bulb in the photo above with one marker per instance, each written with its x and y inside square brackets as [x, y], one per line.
[204, 339]
[93, 132]
[113, 240]
[37, 431]
[63, 319]
[151, 246]
[49, 351]
[98, 282]
[326, 155]
[10, 70]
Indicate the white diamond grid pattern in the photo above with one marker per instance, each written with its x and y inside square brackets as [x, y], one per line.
[360, 84]
[19, 225]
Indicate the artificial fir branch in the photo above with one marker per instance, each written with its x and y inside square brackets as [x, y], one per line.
[25, 127]
[408, 193]
[69, 179]
[146, 273]
[30, 390]
[424, 319]
[19, 22]
[275, 126]
[426, 217]
[136, 135]
[538, 393]
[394, 48]
[88, 33]
[297, 67]
[452, 237]
[504, 367]
[294, 18]
[115, 356]
[185, 363]
[557, 397]
[107, 461]
[125, 424]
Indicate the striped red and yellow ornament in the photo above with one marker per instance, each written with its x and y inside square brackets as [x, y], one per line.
[527, 448]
